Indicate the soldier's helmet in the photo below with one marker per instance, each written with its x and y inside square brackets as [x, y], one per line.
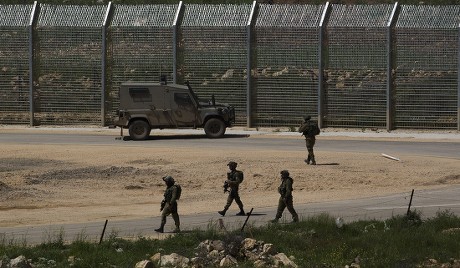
[168, 179]
[284, 173]
[232, 164]
[306, 118]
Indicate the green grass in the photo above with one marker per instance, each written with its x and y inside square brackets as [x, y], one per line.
[402, 241]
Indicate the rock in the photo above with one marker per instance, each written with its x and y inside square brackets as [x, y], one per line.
[283, 260]
[156, 258]
[20, 262]
[228, 261]
[260, 264]
[269, 249]
[248, 244]
[144, 264]
[174, 260]
[218, 245]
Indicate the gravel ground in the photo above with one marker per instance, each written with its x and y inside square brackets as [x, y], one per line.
[52, 184]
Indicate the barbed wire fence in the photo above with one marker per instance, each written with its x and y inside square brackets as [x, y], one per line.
[362, 66]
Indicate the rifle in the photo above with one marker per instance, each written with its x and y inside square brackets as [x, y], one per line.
[163, 204]
[225, 187]
[226, 183]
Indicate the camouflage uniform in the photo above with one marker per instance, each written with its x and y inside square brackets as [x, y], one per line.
[286, 200]
[169, 205]
[234, 178]
[310, 139]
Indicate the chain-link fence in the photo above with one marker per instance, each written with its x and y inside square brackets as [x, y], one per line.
[141, 47]
[68, 60]
[14, 64]
[213, 42]
[356, 66]
[372, 66]
[427, 41]
[286, 74]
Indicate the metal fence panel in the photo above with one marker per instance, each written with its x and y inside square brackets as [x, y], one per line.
[286, 78]
[356, 73]
[14, 64]
[427, 67]
[214, 52]
[141, 45]
[68, 89]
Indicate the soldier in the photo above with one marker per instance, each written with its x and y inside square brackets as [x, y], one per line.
[309, 129]
[234, 178]
[285, 201]
[169, 204]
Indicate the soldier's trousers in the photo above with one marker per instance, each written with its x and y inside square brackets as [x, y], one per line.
[234, 196]
[170, 210]
[286, 202]
[310, 143]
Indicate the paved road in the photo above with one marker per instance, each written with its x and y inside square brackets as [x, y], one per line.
[428, 202]
[244, 140]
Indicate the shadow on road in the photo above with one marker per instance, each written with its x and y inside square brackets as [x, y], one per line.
[188, 137]
[328, 164]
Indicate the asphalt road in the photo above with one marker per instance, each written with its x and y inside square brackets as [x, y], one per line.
[437, 149]
[428, 202]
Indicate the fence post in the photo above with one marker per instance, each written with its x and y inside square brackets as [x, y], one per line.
[321, 64]
[31, 63]
[104, 63]
[249, 65]
[176, 23]
[458, 81]
[390, 65]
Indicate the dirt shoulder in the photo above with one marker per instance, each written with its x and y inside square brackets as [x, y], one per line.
[54, 184]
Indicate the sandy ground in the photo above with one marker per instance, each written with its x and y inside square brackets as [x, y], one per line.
[53, 184]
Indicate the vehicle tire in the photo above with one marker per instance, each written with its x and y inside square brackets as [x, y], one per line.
[139, 130]
[214, 128]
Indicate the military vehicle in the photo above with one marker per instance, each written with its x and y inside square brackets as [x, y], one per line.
[147, 105]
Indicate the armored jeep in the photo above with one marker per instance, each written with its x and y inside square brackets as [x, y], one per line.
[148, 105]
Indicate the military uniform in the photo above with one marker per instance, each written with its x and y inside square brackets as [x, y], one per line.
[310, 138]
[234, 178]
[285, 200]
[169, 205]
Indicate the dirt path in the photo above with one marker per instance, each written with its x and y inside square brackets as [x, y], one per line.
[61, 184]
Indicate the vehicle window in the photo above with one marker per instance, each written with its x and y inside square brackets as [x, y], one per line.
[140, 94]
[182, 99]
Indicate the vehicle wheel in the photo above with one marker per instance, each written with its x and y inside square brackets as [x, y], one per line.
[214, 128]
[139, 130]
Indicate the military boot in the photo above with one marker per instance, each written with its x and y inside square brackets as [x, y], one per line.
[222, 212]
[307, 160]
[313, 162]
[275, 220]
[295, 218]
[241, 213]
[177, 230]
[160, 230]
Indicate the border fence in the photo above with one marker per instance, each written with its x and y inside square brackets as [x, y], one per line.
[366, 66]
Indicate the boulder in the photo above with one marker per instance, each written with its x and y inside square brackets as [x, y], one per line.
[144, 264]
[174, 260]
[228, 261]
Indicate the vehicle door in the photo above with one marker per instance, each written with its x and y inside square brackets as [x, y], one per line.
[184, 110]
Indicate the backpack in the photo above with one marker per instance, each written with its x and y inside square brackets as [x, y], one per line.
[178, 191]
[310, 128]
[314, 128]
[242, 176]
